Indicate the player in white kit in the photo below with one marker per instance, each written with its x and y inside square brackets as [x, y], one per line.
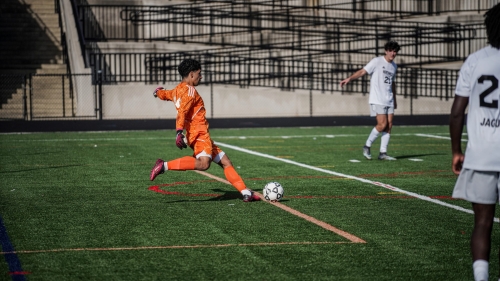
[382, 99]
[479, 170]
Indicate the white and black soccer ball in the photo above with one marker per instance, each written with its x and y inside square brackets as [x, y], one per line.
[273, 191]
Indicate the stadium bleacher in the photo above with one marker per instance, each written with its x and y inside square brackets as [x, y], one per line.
[287, 45]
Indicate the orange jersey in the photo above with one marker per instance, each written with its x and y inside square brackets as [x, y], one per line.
[191, 117]
[190, 109]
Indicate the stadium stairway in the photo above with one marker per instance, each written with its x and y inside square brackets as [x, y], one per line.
[31, 44]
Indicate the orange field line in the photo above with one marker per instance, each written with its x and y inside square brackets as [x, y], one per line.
[322, 224]
[168, 247]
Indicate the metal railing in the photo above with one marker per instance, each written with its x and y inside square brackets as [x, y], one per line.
[261, 70]
[48, 97]
[240, 25]
[276, 44]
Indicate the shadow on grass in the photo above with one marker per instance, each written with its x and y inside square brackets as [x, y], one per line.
[41, 168]
[224, 196]
[227, 195]
[417, 155]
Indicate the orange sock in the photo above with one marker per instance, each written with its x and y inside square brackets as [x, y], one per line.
[235, 179]
[181, 164]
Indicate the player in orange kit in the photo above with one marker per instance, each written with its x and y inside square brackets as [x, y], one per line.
[191, 117]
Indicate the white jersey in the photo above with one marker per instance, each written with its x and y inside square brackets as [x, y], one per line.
[382, 75]
[479, 80]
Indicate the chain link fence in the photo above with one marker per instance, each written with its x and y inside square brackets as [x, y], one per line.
[47, 97]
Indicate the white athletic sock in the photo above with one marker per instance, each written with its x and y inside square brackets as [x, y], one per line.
[480, 268]
[165, 166]
[372, 137]
[246, 191]
[384, 142]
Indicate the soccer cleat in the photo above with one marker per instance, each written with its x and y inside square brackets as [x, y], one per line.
[251, 198]
[157, 169]
[384, 156]
[366, 152]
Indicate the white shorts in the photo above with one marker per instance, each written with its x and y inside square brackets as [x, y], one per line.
[478, 186]
[380, 109]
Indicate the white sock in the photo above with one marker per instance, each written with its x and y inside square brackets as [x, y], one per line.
[480, 268]
[246, 191]
[372, 137]
[165, 166]
[384, 142]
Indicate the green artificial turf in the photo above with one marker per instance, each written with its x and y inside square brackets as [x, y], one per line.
[80, 206]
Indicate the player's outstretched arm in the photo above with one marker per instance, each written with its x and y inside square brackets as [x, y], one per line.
[457, 118]
[155, 93]
[163, 94]
[356, 75]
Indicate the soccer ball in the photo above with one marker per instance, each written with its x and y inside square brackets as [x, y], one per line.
[273, 191]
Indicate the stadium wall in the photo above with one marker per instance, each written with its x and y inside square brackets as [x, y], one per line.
[20, 126]
[131, 101]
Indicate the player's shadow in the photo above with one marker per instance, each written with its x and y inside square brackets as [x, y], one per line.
[226, 195]
[417, 155]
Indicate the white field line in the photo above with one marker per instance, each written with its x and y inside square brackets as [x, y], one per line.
[384, 185]
[218, 137]
[436, 137]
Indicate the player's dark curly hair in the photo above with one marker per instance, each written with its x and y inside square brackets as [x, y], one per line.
[392, 46]
[188, 65]
[492, 23]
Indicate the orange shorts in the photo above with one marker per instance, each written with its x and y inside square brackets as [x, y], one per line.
[204, 146]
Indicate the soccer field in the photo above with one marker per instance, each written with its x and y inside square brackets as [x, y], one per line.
[80, 206]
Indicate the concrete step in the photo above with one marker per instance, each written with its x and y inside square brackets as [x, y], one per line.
[32, 27]
[29, 15]
[15, 102]
[11, 114]
[32, 61]
[54, 111]
[29, 18]
[29, 2]
[48, 107]
[47, 93]
[13, 106]
[61, 70]
[32, 64]
[43, 6]
[42, 37]
[47, 103]
[14, 26]
[42, 45]
[26, 18]
[12, 67]
[30, 57]
[5, 91]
